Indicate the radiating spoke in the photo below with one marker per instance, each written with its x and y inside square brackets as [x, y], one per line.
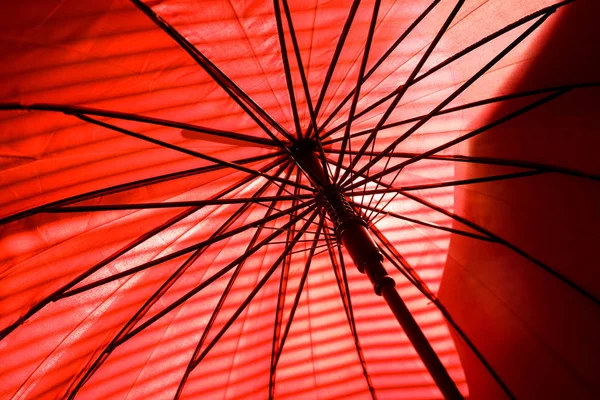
[444, 63]
[256, 289]
[339, 270]
[212, 279]
[401, 265]
[184, 251]
[457, 92]
[286, 68]
[189, 152]
[499, 240]
[506, 243]
[334, 60]
[281, 302]
[385, 190]
[402, 90]
[331, 234]
[219, 306]
[134, 320]
[130, 186]
[437, 185]
[383, 212]
[299, 292]
[448, 61]
[237, 94]
[56, 295]
[167, 284]
[493, 124]
[394, 257]
[299, 241]
[361, 72]
[246, 140]
[174, 204]
[323, 246]
[450, 110]
[126, 329]
[489, 161]
[389, 51]
[311, 111]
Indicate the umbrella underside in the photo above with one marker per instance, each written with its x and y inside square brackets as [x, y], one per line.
[178, 178]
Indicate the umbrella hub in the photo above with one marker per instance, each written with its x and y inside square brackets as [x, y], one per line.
[351, 229]
[353, 233]
[304, 155]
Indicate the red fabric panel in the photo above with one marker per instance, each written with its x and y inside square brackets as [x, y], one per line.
[540, 334]
[113, 57]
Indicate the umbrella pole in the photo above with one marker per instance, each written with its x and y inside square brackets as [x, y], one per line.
[352, 232]
[424, 349]
[366, 256]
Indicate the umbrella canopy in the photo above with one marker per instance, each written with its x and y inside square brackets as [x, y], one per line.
[177, 178]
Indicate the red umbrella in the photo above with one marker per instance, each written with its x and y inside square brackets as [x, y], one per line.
[188, 187]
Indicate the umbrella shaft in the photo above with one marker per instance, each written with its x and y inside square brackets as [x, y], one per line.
[352, 232]
[419, 341]
[365, 254]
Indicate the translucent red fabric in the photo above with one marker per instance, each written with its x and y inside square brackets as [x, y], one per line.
[106, 109]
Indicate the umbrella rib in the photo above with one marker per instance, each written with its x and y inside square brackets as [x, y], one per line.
[219, 305]
[412, 277]
[256, 289]
[493, 161]
[210, 280]
[158, 294]
[457, 92]
[296, 47]
[448, 61]
[506, 243]
[390, 188]
[175, 204]
[326, 249]
[361, 72]
[303, 279]
[402, 90]
[302, 77]
[459, 182]
[97, 112]
[133, 320]
[334, 60]
[386, 189]
[339, 270]
[281, 299]
[178, 253]
[307, 231]
[424, 223]
[192, 153]
[286, 68]
[389, 51]
[128, 186]
[58, 293]
[299, 241]
[460, 139]
[235, 92]
[373, 135]
[318, 247]
[464, 107]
